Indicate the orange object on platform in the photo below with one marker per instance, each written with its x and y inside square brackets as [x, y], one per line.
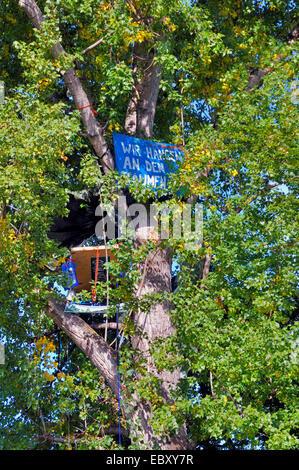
[85, 260]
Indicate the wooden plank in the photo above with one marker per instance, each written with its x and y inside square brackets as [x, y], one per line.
[82, 257]
[83, 249]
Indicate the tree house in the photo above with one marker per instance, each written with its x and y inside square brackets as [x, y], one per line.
[85, 259]
[87, 262]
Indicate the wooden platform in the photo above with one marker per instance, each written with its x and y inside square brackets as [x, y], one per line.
[90, 309]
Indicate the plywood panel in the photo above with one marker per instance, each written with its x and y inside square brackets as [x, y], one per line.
[82, 257]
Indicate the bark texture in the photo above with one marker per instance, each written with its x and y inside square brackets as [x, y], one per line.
[146, 81]
[152, 326]
[157, 268]
[90, 343]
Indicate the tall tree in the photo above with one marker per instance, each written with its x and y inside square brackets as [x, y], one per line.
[213, 362]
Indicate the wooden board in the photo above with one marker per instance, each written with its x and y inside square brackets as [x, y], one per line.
[85, 261]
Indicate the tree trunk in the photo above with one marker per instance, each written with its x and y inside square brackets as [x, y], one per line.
[146, 81]
[153, 326]
[157, 267]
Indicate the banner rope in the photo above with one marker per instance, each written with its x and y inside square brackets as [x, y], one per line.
[88, 106]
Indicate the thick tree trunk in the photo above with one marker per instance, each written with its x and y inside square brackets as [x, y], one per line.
[146, 81]
[153, 326]
[157, 268]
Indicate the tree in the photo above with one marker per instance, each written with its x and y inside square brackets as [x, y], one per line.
[211, 363]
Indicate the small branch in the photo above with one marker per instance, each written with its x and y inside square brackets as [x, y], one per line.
[255, 78]
[3, 210]
[145, 59]
[211, 384]
[134, 10]
[206, 266]
[182, 119]
[268, 187]
[102, 326]
[149, 66]
[293, 35]
[49, 437]
[183, 126]
[236, 404]
[42, 420]
[143, 278]
[92, 46]
[65, 359]
[78, 437]
[73, 83]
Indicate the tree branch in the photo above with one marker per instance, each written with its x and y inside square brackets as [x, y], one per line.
[90, 343]
[109, 325]
[93, 129]
[78, 437]
[256, 75]
[92, 46]
[255, 78]
[206, 266]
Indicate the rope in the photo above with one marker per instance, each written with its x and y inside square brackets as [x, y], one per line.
[117, 343]
[59, 349]
[94, 294]
[118, 379]
[107, 268]
[117, 370]
[88, 106]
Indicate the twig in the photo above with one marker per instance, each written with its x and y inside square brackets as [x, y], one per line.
[101, 326]
[145, 59]
[182, 126]
[42, 420]
[211, 384]
[107, 270]
[182, 121]
[77, 437]
[65, 359]
[134, 10]
[112, 342]
[152, 61]
[92, 46]
[3, 210]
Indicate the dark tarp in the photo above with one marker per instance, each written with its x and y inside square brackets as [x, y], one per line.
[79, 224]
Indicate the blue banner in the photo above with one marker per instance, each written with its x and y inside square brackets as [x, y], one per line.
[146, 161]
